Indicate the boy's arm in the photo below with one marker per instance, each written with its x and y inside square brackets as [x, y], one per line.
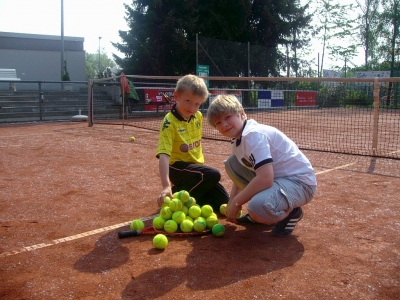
[163, 165]
[264, 179]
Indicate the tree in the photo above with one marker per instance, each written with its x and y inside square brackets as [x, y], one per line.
[96, 68]
[298, 40]
[162, 35]
[333, 22]
[369, 33]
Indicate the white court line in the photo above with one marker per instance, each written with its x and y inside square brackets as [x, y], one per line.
[104, 229]
[333, 169]
[70, 238]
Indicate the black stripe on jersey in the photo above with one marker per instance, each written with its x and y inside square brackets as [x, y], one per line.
[263, 163]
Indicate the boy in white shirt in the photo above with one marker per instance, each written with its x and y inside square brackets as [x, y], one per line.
[267, 169]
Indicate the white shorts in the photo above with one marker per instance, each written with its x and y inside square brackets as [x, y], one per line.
[284, 195]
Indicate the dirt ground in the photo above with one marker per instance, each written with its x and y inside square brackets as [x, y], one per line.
[67, 189]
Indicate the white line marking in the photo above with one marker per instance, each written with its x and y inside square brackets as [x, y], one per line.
[71, 238]
[333, 169]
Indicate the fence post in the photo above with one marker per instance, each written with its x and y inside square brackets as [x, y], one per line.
[90, 103]
[41, 102]
[376, 117]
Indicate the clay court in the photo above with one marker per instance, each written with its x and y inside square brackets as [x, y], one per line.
[66, 189]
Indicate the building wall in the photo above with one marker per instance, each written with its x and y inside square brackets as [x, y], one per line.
[38, 57]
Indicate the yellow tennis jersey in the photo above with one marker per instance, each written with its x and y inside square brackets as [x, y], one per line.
[181, 139]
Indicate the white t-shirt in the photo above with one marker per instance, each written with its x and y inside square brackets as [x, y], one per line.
[262, 144]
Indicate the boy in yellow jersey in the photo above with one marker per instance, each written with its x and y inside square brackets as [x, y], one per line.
[179, 150]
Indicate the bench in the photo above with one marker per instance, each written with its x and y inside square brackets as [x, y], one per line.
[9, 75]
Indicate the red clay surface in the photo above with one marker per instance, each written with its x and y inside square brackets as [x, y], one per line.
[67, 189]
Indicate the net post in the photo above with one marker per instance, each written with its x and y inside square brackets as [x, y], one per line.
[376, 116]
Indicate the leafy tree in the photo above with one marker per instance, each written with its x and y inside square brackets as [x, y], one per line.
[162, 35]
[334, 23]
[369, 33]
[96, 68]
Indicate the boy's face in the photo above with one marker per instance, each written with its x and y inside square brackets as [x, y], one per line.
[230, 124]
[187, 103]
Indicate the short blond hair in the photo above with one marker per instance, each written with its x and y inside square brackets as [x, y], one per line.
[194, 84]
[223, 105]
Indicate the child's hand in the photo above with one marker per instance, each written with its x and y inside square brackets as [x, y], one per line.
[164, 193]
[231, 210]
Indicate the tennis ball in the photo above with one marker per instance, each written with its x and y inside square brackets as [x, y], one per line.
[189, 218]
[211, 221]
[239, 213]
[166, 213]
[222, 209]
[167, 199]
[158, 222]
[186, 226]
[218, 230]
[194, 212]
[178, 216]
[132, 139]
[185, 210]
[206, 211]
[191, 201]
[183, 196]
[137, 225]
[170, 226]
[199, 225]
[160, 241]
[175, 205]
[175, 195]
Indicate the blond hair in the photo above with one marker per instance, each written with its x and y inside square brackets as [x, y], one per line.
[223, 105]
[193, 84]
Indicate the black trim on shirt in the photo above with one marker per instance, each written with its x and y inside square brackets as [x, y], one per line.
[263, 163]
[238, 141]
[176, 114]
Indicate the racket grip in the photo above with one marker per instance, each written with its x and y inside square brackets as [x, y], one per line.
[125, 234]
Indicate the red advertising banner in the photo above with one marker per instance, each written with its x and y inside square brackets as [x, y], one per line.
[306, 98]
[155, 99]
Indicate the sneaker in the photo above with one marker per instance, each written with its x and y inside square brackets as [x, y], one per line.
[245, 219]
[286, 226]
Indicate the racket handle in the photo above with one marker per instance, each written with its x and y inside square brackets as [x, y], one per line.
[125, 234]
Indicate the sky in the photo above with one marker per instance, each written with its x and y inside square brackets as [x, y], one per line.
[89, 19]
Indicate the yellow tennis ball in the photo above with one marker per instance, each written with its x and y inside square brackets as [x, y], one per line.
[239, 213]
[167, 199]
[132, 139]
[189, 218]
[158, 222]
[194, 212]
[222, 209]
[191, 201]
[186, 226]
[166, 213]
[211, 221]
[218, 230]
[185, 210]
[183, 196]
[206, 211]
[175, 195]
[178, 216]
[170, 226]
[160, 241]
[175, 205]
[137, 225]
[199, 225]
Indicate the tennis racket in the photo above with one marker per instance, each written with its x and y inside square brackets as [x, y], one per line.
[152, 231]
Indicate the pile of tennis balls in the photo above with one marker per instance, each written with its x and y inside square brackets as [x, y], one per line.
[181, 214]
